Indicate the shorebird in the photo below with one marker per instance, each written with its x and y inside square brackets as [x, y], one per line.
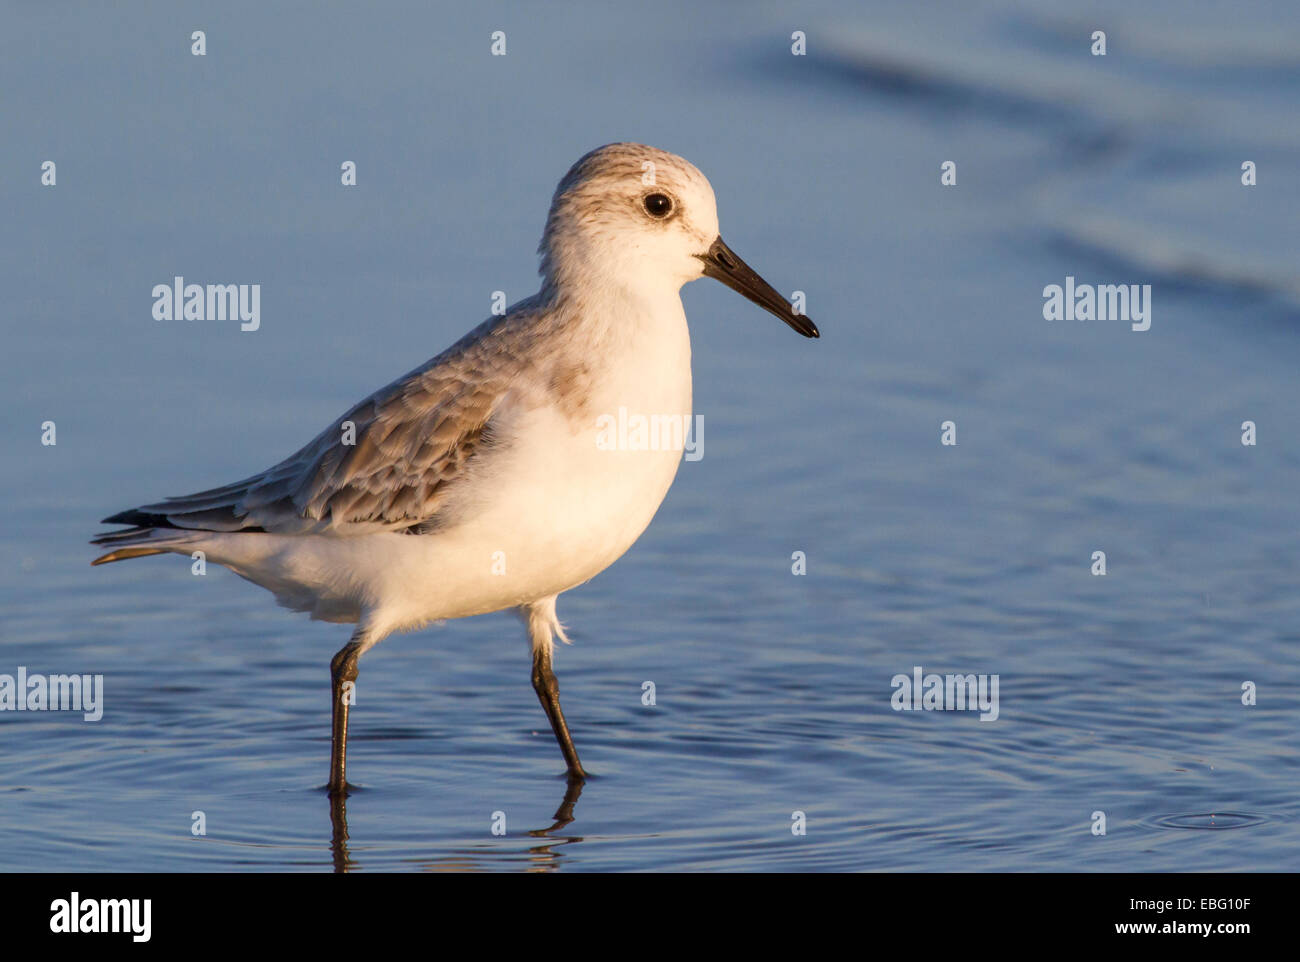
[475, 483]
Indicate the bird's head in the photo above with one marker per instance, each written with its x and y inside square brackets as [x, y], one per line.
[642, 217]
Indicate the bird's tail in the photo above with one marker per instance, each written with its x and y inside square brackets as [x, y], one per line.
[141, 541]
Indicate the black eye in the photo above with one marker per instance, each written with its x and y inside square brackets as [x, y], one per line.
[658, 205]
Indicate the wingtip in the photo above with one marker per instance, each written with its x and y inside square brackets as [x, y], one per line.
[122, 554]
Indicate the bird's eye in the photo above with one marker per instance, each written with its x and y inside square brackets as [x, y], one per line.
[658, 205]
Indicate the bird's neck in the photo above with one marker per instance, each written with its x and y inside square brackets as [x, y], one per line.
[615, 310]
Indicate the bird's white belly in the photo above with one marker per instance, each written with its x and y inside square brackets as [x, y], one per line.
[555, 507]
[566, 502]
[569, 514]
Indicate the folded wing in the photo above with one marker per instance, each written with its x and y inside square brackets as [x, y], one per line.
[391, 462]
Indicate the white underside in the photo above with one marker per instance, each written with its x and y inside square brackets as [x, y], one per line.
[555, 510]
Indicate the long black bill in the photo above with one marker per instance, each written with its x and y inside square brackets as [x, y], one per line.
[722, 264]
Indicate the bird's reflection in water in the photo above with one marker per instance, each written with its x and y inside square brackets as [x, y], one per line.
[542, 857]
[564, 814]
[339, 837]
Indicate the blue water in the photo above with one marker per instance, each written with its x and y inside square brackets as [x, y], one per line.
[1119, 694]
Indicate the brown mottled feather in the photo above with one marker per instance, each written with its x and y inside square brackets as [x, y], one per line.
[415, 439]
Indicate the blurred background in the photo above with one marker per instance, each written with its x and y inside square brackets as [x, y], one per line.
[1119, 694]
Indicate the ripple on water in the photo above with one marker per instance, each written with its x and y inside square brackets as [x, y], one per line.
[1208, 820]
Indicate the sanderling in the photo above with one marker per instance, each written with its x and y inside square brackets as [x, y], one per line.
[473, 484]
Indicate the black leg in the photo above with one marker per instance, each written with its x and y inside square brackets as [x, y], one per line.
[548, 692]
[343, 669]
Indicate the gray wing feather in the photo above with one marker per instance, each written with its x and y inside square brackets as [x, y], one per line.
[414, 439]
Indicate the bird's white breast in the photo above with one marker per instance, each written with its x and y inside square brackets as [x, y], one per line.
[561, 503]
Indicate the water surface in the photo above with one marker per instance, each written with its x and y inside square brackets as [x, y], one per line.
[1119, 694]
